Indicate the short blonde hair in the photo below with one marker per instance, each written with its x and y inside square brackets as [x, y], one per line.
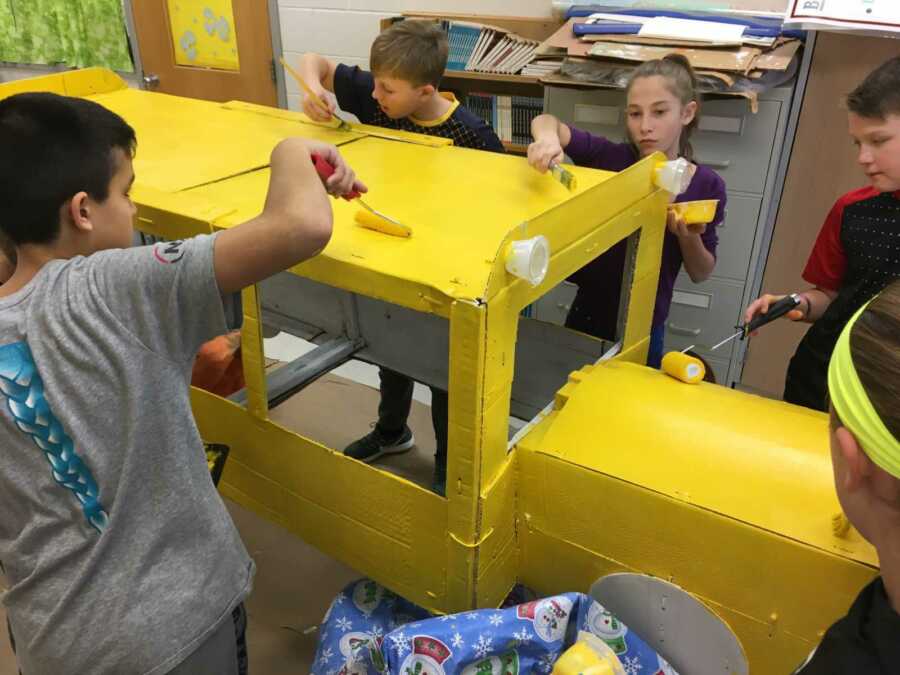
[415, 51]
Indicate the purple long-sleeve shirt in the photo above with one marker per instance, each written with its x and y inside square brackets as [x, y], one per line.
[596, 306]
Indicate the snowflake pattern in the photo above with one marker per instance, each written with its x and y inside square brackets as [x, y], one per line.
[326, 656]
[339, 600]
[546, 662]
[344, 624]
[445, 617]
[482, 646]
[524, 636]
[496, 619]
[377, 631]
[632, 665]
[472, 616]
[401, 643]
[457, 641]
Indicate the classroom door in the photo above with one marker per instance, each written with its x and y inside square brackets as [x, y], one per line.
[219, 50]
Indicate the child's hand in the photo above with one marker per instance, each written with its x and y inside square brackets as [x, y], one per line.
[323, 109]
[544, 153]
[679, 228]
[343, 181]
[761, 306]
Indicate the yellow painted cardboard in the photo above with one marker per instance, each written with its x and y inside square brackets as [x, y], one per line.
[186, 142]
[726, 494]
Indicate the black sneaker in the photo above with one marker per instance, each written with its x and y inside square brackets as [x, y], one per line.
[374, 445]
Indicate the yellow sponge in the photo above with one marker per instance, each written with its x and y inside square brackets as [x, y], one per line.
[683, 367]
[369, 220]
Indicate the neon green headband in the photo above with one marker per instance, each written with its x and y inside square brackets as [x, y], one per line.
[856, 411]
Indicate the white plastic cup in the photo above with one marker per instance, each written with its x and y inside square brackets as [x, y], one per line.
[675, 176]
[529, 259]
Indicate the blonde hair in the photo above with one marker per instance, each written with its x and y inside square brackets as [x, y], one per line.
[415, 51]
[681, 81]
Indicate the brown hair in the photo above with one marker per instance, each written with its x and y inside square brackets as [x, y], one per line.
[681, 82]
[709, 375]
[879, 94]
[415, 51]
[875, 348]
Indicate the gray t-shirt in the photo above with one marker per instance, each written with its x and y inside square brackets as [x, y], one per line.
[120, 554]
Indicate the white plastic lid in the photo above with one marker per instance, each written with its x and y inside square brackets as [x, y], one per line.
[529, 259]
[675, 176]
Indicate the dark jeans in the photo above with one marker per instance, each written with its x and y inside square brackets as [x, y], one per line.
[396, 401]
[657, 346]
[806, 382]
[223, 653]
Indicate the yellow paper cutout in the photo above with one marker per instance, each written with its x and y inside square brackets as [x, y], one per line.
[203, 34]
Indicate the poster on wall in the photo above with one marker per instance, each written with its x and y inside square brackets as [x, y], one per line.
[203, 34]
[882, 16]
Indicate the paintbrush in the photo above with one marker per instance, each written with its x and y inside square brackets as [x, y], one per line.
[343, 125]
[564, 176]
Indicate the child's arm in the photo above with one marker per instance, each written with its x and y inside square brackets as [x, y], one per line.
[699, 263]
[813, 304]
[318, 72]
[551, 138]
[825, 270]
[296, 220]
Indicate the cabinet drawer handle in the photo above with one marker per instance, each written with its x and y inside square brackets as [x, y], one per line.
[715, 164]
[687, 332]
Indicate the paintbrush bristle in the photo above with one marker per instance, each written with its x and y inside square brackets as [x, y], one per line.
[564, 176]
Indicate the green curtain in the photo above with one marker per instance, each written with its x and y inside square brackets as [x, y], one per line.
[78, 33]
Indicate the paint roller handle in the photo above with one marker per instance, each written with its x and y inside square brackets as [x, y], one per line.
[776, 311]
[325, 170]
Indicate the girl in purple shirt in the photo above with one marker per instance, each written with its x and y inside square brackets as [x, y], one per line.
[662, 110]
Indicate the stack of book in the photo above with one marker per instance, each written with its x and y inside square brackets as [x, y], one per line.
[486, 49]
[541, 68]
[510, 116]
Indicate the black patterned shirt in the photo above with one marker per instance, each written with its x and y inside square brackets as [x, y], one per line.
[353, 88]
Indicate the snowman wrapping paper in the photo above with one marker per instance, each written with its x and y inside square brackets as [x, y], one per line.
[370, 631]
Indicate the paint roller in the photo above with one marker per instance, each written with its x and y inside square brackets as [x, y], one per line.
[368, 218]
[690, 369]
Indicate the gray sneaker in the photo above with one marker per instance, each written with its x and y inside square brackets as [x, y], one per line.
[374, 445]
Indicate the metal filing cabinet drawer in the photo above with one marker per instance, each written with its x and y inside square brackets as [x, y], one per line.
[731, 140]
[598, 111]
[704, 314]
[554, 306]
[736, 236]
[736, 143]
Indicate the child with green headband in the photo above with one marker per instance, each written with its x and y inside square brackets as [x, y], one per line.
[864, 390]
[857, 252]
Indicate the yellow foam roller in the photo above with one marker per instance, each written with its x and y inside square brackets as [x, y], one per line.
[372, 221]
[683, 367]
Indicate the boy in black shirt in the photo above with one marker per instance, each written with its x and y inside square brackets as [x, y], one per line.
[408, 60]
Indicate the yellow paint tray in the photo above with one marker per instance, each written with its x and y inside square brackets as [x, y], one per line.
[696, 213]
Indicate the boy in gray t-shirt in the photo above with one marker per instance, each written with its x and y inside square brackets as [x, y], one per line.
[120, 555]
